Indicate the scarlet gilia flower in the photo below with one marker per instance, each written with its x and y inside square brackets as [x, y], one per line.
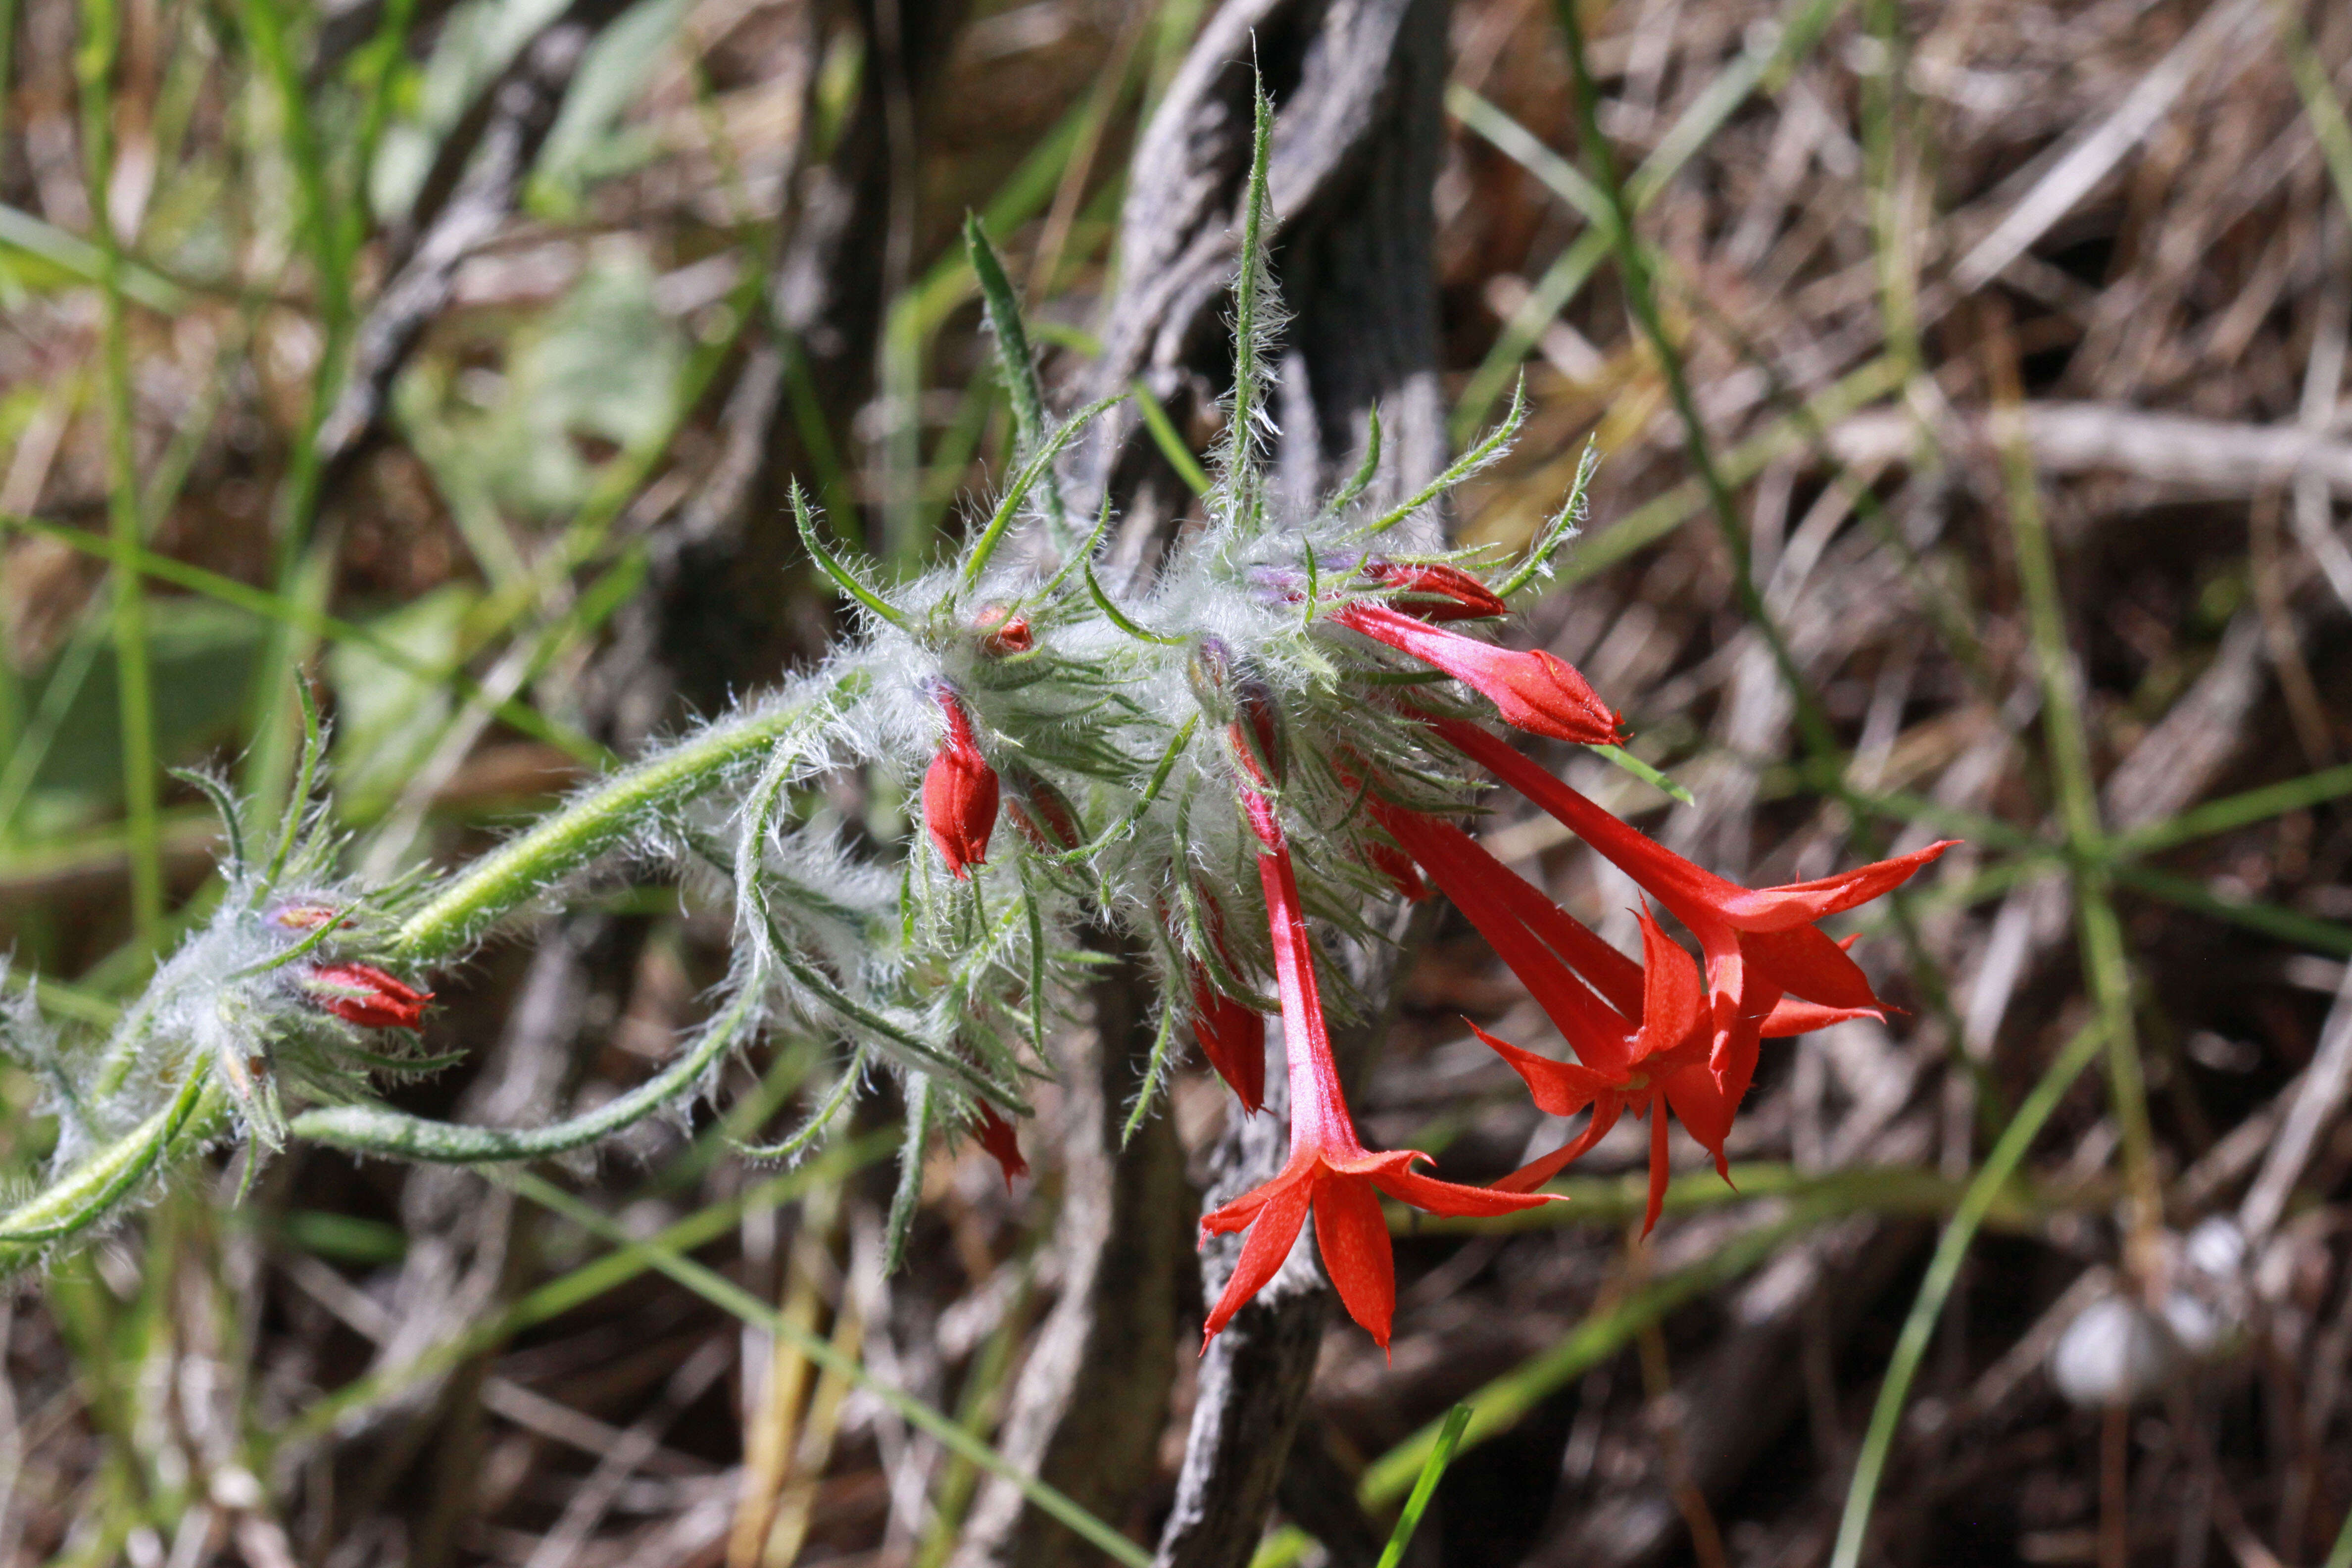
[1330, 1170]
[1760, 944]
[1662, 1063]
[996, 1138]
[959, 790]
[1639, 1032]
[1433, 591]
[363, 994]
[1532, 690]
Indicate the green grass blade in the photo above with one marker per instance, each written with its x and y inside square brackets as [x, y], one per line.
[1502, 1403]
[1943, 1272]
[2106, 967]
[134, 682]
[1165, 437]
[23, 231]
[1448, 1438]
[1767, 63]
[299, 616]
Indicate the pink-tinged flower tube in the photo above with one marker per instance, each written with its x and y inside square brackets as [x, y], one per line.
[363, 994]
[959, 790]
[1532, 690]
[1433, 591]
[1329, 1170]
[996, 1138]
[1759, 942]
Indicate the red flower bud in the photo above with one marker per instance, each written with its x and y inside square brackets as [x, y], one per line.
[1042, 814]
[1232, 1036]
[1002, 632]
[1433, 591]
[959, 791]
[363, 994]
[302, 914]
[1530, 689]
[996, 1138]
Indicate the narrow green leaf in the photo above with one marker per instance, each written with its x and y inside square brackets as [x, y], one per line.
[1118, 617]
[1165, 437]
[1249, 316]
[1038, 469]
[1457, 1420]
[1366, 471]
[1461, 469]
[922, 1111]
[1645, 772]
[833, 569]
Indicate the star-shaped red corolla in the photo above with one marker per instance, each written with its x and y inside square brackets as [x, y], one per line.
[1330, 1170]
[1760, 944]
[1639, 1030]
[1663, 1058]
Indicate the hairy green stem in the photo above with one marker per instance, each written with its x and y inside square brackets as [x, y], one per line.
[518, 871]
[100, 1182]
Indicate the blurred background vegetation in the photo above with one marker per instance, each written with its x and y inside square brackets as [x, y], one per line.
[457, 354]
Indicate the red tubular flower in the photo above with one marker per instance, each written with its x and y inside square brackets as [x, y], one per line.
[959, 791]
[1532, 690]
[996, 1137]
[363, 994]
[1662, 1060]
[1595, 995]
[1434, 592]
[1329, 1170]
[1759, 942]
